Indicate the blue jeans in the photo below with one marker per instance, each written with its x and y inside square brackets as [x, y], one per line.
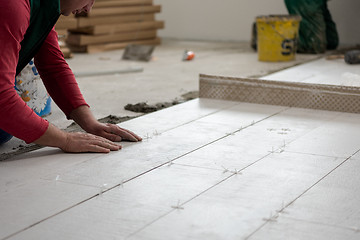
[4, 137]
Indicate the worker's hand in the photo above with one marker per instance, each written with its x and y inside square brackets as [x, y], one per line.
[112, 132]
[85, 142]
[83, 116]
[76, 142]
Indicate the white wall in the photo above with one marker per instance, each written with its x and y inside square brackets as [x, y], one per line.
[346, 14]
[230, 20]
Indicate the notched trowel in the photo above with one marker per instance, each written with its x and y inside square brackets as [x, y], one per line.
[138, 52]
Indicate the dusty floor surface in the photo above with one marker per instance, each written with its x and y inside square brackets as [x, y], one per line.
[165, 79]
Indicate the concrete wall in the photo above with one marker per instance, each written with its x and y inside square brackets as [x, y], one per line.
[230, 20]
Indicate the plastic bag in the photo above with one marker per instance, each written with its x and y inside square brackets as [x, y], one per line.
[29, 86]
[317, 29]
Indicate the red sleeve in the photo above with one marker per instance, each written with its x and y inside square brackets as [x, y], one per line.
[16, 117]
[58, 78]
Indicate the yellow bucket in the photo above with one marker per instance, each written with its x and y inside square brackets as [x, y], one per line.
[277, 37]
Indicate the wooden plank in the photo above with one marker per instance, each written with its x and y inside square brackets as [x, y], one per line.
[91, 21]
[99, 12]
[81, 40]
[111, 46]
[114, 3]
[117, 28]
[66, 22]
[114, 46]
[62, 32]
[66, 52]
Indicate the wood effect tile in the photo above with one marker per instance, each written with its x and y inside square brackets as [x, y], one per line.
[287, 228]
[272, 135]
[172, 117]
[338, 137]
[140, 157]
[30, 203]
[322, 71]
[125, 209]
[32, 166]
[241, 204]
[333, 201]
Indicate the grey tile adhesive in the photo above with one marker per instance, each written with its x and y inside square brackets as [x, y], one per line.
[292, 94]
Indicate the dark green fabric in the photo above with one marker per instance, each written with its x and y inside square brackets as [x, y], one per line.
[317, 29]
[43, 16]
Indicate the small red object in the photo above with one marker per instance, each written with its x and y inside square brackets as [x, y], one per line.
[188, 55]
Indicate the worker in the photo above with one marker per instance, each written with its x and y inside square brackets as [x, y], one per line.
[317, 31]
[26, 32]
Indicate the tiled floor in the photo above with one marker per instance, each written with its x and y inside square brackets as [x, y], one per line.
[321, 71]
[165, 78]
[207, 169]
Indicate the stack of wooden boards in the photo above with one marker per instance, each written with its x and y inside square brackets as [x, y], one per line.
[61, 28]
[113, 24]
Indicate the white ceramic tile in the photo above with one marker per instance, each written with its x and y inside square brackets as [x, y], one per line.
[286, 228]
[137, 158]
[243, 114]
[32, 166]
[334, 200]
[177, 115]
[338, 137]
[252, 143]
[322, 71]
[28, 204]
[125, 209]
[240, 205]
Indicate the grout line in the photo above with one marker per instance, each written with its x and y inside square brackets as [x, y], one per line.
[315, 154]
[324, 224]
[200, 167]
[308, 189]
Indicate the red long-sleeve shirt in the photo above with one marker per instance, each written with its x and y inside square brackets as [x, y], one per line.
[16, 117]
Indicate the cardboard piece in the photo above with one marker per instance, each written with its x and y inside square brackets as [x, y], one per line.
[138, 52]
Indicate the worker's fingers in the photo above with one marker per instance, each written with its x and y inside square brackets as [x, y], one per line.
[112, 137]
[123, 133]
[106, 144]
[133, 134]
[97, 149]
[84, 142]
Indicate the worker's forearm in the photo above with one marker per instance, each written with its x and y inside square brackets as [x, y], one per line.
[84, 117]
[53, 137]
